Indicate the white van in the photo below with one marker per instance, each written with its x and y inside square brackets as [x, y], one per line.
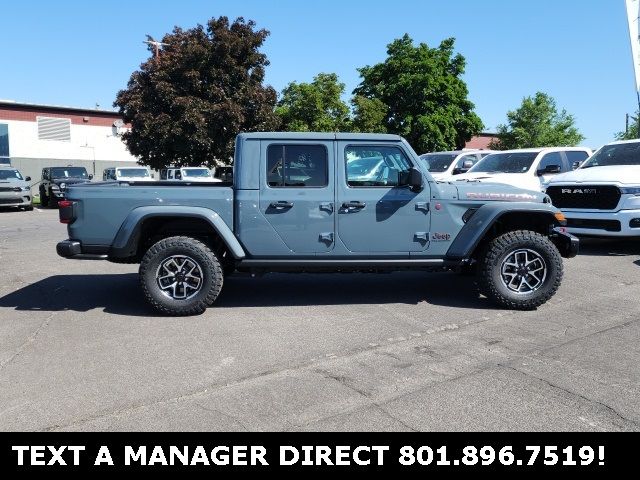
[187, 174]
[127, 174]
[528, 168]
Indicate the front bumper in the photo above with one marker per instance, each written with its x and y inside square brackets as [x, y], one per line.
[604, 224]
[567, 244]
[15, 199]
[74, 249]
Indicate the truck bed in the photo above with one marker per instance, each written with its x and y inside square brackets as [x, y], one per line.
[106, 205]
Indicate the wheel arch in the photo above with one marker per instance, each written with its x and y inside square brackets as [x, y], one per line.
[492, 220]
[146, 224]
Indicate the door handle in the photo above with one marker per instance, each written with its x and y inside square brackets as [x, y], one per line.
[282, 205]
[353, 205]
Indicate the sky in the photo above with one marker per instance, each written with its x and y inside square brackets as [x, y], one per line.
[80, 53]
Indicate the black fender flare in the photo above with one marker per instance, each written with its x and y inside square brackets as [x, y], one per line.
[487, 215]
[126, 241]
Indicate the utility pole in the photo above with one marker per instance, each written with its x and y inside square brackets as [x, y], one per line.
[633, 14]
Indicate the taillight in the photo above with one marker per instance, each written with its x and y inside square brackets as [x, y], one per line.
[67, 213]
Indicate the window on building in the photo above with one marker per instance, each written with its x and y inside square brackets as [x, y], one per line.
[4, 142]
[54, 129]
[297, 166]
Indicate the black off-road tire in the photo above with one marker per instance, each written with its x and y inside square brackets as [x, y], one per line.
[490, 264]
[212, 277]
[44, 199]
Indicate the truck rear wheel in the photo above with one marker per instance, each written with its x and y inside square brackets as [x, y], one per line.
[520, 270]
[180, 276]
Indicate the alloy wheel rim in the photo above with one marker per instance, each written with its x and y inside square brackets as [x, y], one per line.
[179, 277]
[523, 271]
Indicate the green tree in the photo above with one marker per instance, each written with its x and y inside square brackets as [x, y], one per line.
[632, 132]
[187, 105]
[537, 123]
[425, 95]
[369, 115]
[315, 106]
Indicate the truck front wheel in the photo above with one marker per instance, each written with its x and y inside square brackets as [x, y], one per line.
[180, 276]
[520, 270]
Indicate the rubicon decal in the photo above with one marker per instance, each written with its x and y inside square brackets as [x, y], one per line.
[505, 197]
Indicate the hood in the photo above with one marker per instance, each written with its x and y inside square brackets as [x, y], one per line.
[625, 174]
[70, 181]
[18, 184]
[525, 181]
[498, 192]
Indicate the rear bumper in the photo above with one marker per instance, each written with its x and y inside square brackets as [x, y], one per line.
[567, 244]
[73, 249]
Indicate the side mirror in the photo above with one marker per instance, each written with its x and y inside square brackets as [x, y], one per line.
[467, 164]
[576, 165]
[90, 176]
[549, 169]
[415, 179]
[153, 175]
[28, 179]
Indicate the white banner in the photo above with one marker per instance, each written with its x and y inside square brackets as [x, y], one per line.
[633, 12]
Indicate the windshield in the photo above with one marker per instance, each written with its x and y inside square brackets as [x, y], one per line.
[196, 172]
[133, 172]
[512, 162]
[438, 162]
[10, 175]
[618, 154]
[67, 172]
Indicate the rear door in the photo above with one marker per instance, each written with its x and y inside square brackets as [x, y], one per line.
[297, 196]
[375, 215]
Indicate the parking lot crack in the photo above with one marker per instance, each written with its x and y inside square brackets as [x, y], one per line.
[576, 394]
[344, 381]
[32, 338]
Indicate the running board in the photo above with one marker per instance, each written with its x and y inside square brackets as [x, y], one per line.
[325, 264]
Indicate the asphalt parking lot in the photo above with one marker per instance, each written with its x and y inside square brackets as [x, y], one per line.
[79, 349]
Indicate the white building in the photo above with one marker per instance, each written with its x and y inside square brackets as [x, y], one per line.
[38, 136]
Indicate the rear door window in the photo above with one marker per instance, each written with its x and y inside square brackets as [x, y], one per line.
[297, 166]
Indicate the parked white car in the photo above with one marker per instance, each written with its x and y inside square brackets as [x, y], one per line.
[127, 174]
[442, 165]
[187, 174]
[602, 197]
[530, 168]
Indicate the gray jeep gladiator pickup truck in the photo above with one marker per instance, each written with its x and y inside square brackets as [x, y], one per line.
[319, 202]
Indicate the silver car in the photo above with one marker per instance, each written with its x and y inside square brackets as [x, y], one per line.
[15, 190]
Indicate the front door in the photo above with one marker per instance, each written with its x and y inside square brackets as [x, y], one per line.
[297, 196]
[376, 214]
